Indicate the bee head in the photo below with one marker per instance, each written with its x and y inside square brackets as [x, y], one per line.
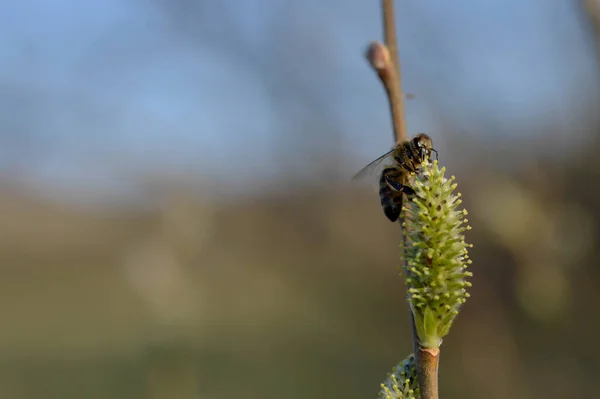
[424, 146]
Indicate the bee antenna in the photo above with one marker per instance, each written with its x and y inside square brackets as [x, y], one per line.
[436, 154]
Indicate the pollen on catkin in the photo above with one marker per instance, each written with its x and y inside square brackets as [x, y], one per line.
[401, 383]
[435, 253]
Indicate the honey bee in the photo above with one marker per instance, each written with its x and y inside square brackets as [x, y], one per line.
[395, 167]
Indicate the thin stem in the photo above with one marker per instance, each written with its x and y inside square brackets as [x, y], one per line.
[385, 60]
[395, 90]
[389, 29]
[427, 361]
[380, 59]
[427, 372]
[592, 10]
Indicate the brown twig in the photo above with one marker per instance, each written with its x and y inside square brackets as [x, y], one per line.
[380, 58]
[389, 31]
[591, 9]
[396, 97]
[427, 372]
[427, 360]
[385, 61]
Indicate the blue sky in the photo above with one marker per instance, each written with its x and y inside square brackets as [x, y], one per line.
[98, 92]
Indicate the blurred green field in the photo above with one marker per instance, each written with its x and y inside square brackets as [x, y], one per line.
[294, 295]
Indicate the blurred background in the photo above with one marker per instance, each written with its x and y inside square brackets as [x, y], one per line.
[177, 216]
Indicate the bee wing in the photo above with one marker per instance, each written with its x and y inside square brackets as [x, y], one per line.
[374, 169]
[372, 172]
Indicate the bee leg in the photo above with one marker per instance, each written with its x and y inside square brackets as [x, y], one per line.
[397, 186]
[408, 190]
[393, 177]
[407, 167]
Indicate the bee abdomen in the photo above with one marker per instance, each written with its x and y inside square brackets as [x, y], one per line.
[391, 199]
[390, 207]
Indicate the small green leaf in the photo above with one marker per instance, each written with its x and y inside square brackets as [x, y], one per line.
[430, 339]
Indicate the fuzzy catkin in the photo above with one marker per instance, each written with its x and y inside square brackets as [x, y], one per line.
[401, 383]
[435, 253]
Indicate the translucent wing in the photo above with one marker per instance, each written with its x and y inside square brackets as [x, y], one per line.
[373, 170]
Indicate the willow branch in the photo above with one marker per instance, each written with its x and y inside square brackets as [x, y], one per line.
[389, 32]
[591, 8]
[384, 60]
[427, 372]
[427, 361]
[396, 96]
